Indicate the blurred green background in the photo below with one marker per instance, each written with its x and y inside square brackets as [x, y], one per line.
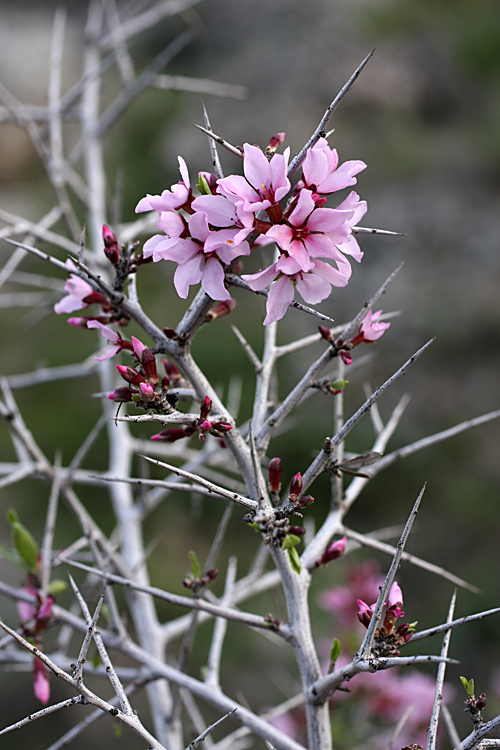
[425, 116]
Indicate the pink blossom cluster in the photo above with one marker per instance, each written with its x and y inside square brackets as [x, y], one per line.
[206, 235]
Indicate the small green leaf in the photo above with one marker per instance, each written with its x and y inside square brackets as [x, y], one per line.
[255, 527]
[335, 651]
[291, 540]
[12, 516]
[338, 384]
[195, 565]
[468, 686]
[203, 185]
[57, 586]
[25, 544]
[294, 560]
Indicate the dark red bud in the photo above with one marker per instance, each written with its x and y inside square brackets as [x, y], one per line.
[219, 428]
[165, 382]
[223, 308]
[297, 530]
[303, 502]
[148, 363]
[188, 583]
[122, 394]
[345, 357]
[111, 248]
[481, 702]
[172, 371]
[326, 333]
[296, 485]
[274, 473]
[170, 333]
[170, 435]
[205, 408]
[211, 575]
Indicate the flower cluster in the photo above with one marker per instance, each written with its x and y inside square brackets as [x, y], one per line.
[388, 637]
[206, 235]
[202, 426]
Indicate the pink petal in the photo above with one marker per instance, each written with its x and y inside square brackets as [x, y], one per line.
[279, 299]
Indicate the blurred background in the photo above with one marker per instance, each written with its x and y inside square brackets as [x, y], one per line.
[425, 116]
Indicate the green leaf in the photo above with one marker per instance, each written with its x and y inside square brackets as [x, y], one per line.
[291, 540]
[255, 527]
[203, 185]
[57, 586]
[468, 686]
[25, 544]
[294, 560]
[195, 565]
[335, 651]
[338, 384]
[12, 516]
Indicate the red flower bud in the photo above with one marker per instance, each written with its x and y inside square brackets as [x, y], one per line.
[130, 375]
[111, 248]
[223, 308]
[274, 472]
[345, 357]
[332, 552]
[205, 408]
[148, 363]
[303, 502]
[170, 333]
[297, 530]
[122, 394]
[326, 333]
[172, 372]
[296, 486]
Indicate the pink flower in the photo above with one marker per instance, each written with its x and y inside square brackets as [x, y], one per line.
[169, 200]
[265, 182]
[332, 552]
[26, 610]
[322, 173]
[41, 686]
[371, 328]
[78, 290]
[312, 232]
[115, 341]
[286, 274]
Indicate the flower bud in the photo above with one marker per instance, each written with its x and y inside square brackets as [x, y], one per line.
[170, 435]
[148, 363]
[130, 375]
[172, 372]
[111, 249]
[332, 552]
[326, 334]
[205, 408]
[274, 473]
[296, 530]
[364, 613]
[147, 391]
[122, 394]
[223, 308]
[274, 142]
[296, 486]
[345, 356]
[303, 502]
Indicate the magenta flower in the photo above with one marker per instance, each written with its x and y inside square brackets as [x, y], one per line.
[312, 232]
[265, 182]
[41, 686]
[78, 290]
[205, 259]
[115, 341]
[169, 200]
[286, 275]
[322, 173]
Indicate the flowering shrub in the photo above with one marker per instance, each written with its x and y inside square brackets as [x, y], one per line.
[275, 210]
